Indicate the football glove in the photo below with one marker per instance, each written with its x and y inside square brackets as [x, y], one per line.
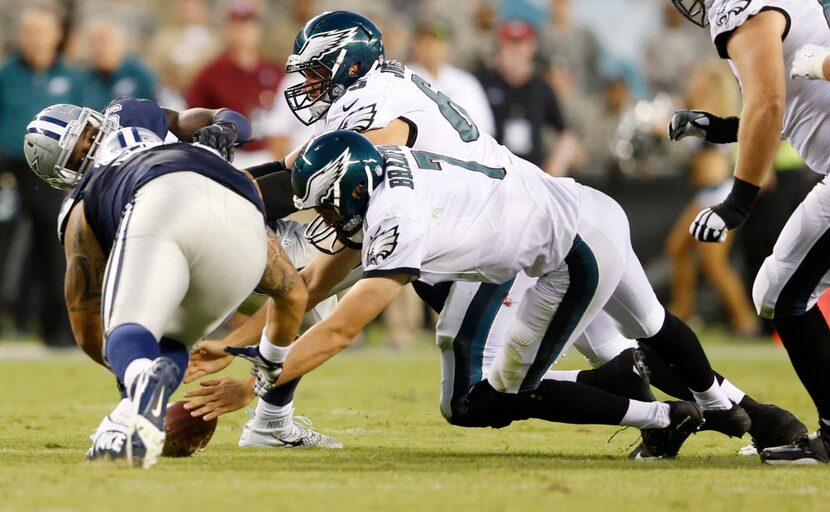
[265, 371]
[809, 62]
[221, 136]
[708, 226]
[712, 224]
[703, 125]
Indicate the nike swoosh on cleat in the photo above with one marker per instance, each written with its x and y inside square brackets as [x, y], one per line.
[157, 409]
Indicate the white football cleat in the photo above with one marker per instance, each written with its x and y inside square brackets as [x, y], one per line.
[290, 432]
[109, 442]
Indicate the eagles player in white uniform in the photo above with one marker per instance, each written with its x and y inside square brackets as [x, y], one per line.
[764, 42]
[436, 218]
[347, 86]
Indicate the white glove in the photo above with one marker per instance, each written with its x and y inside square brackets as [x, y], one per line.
[809, 62]
[708, 226]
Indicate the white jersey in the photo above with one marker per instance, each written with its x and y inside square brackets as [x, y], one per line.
[807, 112]
[438, 218]
[436, 123]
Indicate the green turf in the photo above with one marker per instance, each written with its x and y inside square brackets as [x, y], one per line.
[399, 455]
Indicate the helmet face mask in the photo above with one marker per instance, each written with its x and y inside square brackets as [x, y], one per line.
[693, 10]
[338, 48]
[55, 139]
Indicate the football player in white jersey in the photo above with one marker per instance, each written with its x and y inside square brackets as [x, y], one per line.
[349, 86]
[437, 218]
[764, 42]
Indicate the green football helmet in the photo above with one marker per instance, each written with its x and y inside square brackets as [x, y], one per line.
[336, 41]
[336, 174]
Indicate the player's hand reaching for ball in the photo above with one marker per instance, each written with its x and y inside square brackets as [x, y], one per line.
[219, 396]
[221, 136]
[206, 358]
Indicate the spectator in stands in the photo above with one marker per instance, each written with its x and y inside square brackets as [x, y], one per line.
[595, 124]
[672, 53]
[112, 73]
[573, 47]
[431, 52]
[33, 77]
[523, 103]
[182, 49]
[293, 16]
[240, 79]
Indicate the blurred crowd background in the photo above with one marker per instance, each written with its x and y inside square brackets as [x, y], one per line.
[583, 88]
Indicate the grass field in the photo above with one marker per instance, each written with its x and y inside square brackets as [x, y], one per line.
[399, 455]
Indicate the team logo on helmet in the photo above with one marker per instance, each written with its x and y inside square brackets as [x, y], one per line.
[326, 42]
[323, 183]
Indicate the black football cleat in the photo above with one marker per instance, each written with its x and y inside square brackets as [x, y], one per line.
[664, 443]
[774, 426]
[734, 422]
[812, 449]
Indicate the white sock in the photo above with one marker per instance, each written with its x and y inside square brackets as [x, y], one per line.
[133, 370]
[270, 417]
[121, 411]
[733, 393]
[713, 398]
[270, 351]
[646, 415]
[563, 375]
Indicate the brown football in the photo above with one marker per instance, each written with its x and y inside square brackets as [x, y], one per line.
[185, 434]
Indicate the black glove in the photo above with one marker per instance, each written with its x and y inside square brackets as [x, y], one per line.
[220, 136]
[712, 224]
[703, 125]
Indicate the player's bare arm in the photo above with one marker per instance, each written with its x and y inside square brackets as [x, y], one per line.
[85, 264]
[325, 271]
[187, 122]
[361, 304]
[287, 292]
[756, 50]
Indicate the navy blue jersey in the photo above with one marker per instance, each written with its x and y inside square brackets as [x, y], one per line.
[133, 112]
[107, 189]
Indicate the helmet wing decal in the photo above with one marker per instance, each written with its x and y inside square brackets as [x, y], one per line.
[326, 42]
[320, 184]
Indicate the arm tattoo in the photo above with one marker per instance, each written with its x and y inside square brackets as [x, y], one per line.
[84, 271]
[280, 276]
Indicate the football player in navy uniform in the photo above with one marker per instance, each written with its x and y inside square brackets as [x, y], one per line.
[163, 242]
[62, 142]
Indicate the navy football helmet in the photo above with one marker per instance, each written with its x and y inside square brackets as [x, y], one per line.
[325, 52]
[336, 174]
